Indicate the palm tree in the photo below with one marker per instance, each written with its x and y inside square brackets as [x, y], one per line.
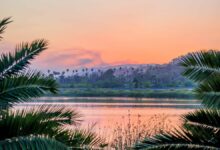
[201, 129]
[47, 121]
[37, 127]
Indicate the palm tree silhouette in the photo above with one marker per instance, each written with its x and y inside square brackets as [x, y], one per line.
[201, 128]
[37, 127]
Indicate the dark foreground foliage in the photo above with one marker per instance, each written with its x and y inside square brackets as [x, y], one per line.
[201, 129]
[37, 127]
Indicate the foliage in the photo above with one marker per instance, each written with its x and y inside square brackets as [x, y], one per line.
[202, 65]
[138, 77]
[12, 64]
[51, 121]
[201, 128]
[31, 142]
[200, 131]
[18, 83]
[3, 25]
[35, 120]
[22, 87]
[148, 93]
[35, 127]
[126, 134]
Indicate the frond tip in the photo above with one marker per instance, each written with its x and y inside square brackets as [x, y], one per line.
[204, 118]
[3, 25]
[12, 64]
[36, 120]
[25, 86]
[195, 139]
[180, 147]
[200, 130]
[209, 92]
[32, 142]
[202, 65]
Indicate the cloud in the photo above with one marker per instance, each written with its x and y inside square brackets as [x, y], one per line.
[85, 61]
[69, 58]
[66, 58]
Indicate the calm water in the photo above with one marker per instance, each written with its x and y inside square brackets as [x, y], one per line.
[111, 117]
[109, 113]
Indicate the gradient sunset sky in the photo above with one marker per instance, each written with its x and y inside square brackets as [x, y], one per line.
[100, 32]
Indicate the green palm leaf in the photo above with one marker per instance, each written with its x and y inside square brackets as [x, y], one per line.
[195, 138]
[36, 120]
[12, 64]
[22, 123]
[52, 121]
[200, 131]
[209, 118]
[81, 139]
[25, 86]
[3, 24]
[209, 92]
[200, 66]
[31, 143]
[180, 147]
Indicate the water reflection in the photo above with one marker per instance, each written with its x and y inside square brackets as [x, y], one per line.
[111, 113]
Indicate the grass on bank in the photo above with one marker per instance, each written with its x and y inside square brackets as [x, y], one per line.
[146, 93]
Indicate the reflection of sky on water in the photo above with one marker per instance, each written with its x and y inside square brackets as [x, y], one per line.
[107, 113]
[121, 102]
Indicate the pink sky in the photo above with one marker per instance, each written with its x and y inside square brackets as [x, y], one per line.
[100, 32]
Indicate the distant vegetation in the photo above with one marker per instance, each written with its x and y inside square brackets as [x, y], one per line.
[127, 76]
[150, 93]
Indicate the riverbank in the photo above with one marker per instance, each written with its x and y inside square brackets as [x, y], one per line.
[142, 93]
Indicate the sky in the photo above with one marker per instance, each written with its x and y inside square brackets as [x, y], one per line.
[88, 33]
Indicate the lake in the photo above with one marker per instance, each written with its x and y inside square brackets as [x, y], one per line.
[116, 115]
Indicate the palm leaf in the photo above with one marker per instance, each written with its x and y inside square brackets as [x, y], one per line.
[209, 92]
[200, 66]
[12, 64]
[3, 24]
[31, 143]
[200, 131]
[51, 121]
[16, 86]
[207, 118]
[190, 136]
[36, 120]
[179, 147]
[25, 86]
[81, 139]
[201, 128]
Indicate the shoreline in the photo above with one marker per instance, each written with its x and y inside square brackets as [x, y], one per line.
[133, 93]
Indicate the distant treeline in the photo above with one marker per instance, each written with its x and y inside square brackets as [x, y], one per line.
[142, 76]
[146, 93]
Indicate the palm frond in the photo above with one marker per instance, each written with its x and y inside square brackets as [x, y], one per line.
[191, 136]
[60, 115]
[81, 139]
[200, 66]
[52, 121]
[177, 147]
[12, 64]
[207, 118]
[36, 120]
[31, 143]
[209, 92]
[3, 25]
[25, 86]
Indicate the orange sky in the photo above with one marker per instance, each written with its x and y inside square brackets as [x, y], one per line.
[100, 32]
